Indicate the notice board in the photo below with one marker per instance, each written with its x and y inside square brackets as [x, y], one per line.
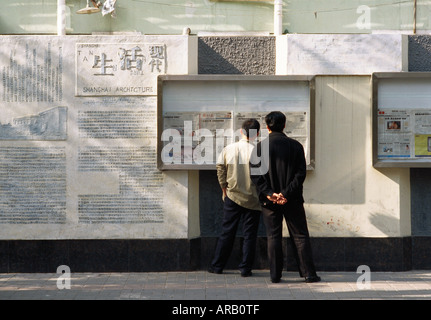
[198, 115]
[402, 119]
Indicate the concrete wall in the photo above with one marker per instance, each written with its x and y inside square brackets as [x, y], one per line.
[237, 55]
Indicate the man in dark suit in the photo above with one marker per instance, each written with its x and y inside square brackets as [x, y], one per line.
[278, 169]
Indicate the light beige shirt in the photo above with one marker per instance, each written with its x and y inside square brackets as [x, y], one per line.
[233, 172]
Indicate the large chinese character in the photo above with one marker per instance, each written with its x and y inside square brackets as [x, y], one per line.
[100, 62]
[131, 58]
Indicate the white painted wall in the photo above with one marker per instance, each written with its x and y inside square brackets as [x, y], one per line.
[345, 196]
[315, 54]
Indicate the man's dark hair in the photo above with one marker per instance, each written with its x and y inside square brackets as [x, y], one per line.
[275, 121]
[251, 127]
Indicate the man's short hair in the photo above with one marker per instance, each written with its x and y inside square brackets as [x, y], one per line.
[251, 127]
[276, 121]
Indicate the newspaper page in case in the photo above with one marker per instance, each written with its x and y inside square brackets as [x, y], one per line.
[394, 134]
[195, 137]
[179, 127]
[422, 133]
[296, 125]
[215, 132]
[296, 128]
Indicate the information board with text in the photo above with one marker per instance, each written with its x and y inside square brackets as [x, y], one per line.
[200, 115]
[402, 119]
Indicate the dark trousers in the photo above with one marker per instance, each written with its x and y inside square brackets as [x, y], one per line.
[294, 214]
[232, 214]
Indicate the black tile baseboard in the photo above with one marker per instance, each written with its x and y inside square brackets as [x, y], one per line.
[114, 255]
[336, 254]
[135, 255]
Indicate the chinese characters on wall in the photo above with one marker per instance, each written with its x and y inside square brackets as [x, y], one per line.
[118, 69]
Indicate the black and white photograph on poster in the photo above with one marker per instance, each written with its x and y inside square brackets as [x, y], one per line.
[46, 125]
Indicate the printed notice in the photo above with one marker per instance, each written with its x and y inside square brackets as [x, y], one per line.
[34, 73]
[195, 138]
[422, 130]
[33, 185]
[116, 124]
[394, 133]
[404, 134]
[140, 196]
[296, 125]
[199, 137]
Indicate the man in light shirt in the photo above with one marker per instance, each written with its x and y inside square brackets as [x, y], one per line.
[240, 201]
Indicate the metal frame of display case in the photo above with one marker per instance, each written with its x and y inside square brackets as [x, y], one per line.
[377, 79]
[217, 79]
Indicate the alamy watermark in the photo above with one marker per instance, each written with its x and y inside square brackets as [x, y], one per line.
[364, 280]
[364, 20]
[203, 146]
[63, 281]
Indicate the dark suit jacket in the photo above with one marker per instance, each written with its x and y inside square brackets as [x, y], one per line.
[283, 169]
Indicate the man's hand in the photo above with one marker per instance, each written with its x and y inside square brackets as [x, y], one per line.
[277, 198]
[224, 193]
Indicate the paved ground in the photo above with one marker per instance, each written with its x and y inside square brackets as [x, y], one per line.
[201, 285]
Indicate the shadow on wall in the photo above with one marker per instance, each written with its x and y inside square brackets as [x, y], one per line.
[386, 224]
